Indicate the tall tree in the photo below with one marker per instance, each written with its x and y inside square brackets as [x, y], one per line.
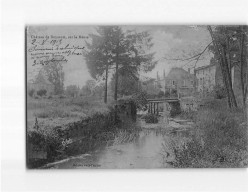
[114, 49]
[220, 48]
[127, 84]
[91, 84]
[55, 74]
[243, 62]
[230, 47]
[99, 54]
[131, 54]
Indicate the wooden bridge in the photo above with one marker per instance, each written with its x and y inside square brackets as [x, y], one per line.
[153, 104]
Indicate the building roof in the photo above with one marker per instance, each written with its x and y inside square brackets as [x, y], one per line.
[179, 73]
[204, 67]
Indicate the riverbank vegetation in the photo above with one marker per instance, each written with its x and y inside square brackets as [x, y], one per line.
[218, 139]
[151, 118]
[64, 127]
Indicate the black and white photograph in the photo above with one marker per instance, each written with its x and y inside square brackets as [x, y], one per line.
[136, 96]
[124, 96]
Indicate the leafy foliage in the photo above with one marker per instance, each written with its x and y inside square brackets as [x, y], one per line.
[126, 52]
[91, 88]
[219, 92]
[31, 92]
[99, 55]
[218, 140]
[230, 48]
[173, 92]
[41, 92]
[55, 74]
[127, 84]
[175, 109]
[72, 90]
[167, 93]
[149, 88]
[151, 118]
[161, 94]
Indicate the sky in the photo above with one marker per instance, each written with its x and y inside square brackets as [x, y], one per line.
[170, 42]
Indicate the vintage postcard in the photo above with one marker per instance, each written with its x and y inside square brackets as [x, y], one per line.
[132, 96]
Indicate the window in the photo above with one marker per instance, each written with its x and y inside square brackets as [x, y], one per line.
[173, 82]
[192, 82]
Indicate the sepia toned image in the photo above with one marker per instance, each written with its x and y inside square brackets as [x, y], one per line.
[132, 96]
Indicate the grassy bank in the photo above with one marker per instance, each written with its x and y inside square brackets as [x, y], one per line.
[218, 139]
[59, 128]
[55, 111]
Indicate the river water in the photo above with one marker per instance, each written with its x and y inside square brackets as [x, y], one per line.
[145, 152]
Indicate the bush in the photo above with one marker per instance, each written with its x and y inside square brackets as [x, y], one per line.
[53, 113]
[31, 92]
[186, 153]
[218, 140]
[45, 140]
[43, 114]
[151, 118]
[175, 109]
[174, 92]
[62, 97]
[41, 92]
[80, 102]
[191, 115]
[167, 93]
[220, 129]
[161, 94]
[219, 92]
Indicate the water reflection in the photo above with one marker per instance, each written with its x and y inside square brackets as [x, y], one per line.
[147, 151]
[144, 152]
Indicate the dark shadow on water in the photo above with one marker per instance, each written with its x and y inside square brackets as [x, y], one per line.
[142, 152]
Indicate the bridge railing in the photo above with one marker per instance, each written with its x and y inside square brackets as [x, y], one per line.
[154, 104]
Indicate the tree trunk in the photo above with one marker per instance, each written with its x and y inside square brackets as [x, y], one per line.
[243, 66]
[195, 82]
[222, 58]
[116, 81]
[227, 73]
[106, 86]
[116, 86]
[228, 78]
[229, 56]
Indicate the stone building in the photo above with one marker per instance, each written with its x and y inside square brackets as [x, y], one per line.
[206, 78]
[210, 76]
[178, 80]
